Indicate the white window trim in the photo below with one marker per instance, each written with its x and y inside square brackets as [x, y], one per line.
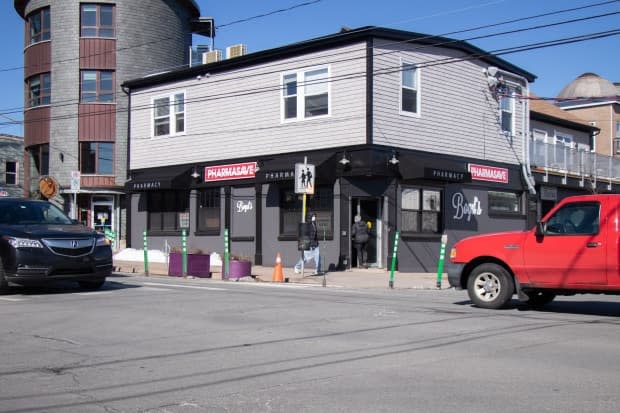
[6, 172]
[513, 108]
[301, 97]
[566, 138]
[418, 78]
[171, 114]
[540, 135]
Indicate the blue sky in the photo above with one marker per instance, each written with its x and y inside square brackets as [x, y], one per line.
[555, 66]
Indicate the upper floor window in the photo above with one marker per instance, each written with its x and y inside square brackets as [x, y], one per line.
[38, 26]
[97, 86]
[507, 109]
[409, 86]
[563, 138]
[11, 173]
[169, 115]
[40, 159]
[617, 140]
[305, 94]
[421, 210]
[39, 90]
[97, 20]
[97, 158]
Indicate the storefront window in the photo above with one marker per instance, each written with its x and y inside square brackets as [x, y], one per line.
[421, 210]
[504, 202]
[209, 206]
[321, 203]
[164, 208]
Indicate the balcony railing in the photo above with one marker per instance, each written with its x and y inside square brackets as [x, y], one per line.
[560, 159]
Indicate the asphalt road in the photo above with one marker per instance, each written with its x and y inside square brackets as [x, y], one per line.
[166, 345]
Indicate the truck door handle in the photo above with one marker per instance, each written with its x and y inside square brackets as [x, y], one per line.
[593, 244]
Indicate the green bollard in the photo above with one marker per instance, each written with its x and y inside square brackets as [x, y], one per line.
[146, 254]
[394, 251]
[184, 251]
[442, 257]
[226, 256]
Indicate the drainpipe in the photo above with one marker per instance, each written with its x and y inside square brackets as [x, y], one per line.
[525, 124]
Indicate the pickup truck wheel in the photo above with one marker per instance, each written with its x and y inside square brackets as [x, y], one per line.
[490, 286]
[538, 297]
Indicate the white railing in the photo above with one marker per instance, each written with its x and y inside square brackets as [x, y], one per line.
[563, 160]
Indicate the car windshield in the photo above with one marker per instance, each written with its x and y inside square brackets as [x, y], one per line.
[28, 212]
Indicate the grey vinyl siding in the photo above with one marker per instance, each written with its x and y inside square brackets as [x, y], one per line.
[458, 114]
[238, 114]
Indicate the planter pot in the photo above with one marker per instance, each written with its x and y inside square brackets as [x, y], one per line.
[239, 268]
[198, 265]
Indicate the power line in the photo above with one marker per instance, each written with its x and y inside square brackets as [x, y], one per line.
[271, 13]
[449, 41]
[382, 71]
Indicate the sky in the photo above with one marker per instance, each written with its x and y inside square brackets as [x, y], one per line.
[264, 24]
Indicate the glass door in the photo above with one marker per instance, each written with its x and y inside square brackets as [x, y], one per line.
[103, 213]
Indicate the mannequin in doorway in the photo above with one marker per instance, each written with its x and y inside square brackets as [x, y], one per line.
[359, 234]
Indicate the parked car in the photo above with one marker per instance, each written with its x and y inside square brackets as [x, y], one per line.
[573, 249]
[39, 244]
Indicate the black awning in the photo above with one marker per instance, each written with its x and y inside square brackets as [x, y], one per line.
[156, 179]
[415, 166]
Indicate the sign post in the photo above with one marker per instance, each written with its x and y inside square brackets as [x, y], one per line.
[304, 184]
[75, 188]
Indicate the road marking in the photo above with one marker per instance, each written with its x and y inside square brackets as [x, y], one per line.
[11, 299]
[197, 287]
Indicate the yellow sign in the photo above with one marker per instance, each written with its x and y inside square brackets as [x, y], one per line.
[48, 186]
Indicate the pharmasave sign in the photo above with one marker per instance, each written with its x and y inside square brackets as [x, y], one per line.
[229, 172]
[488, 173]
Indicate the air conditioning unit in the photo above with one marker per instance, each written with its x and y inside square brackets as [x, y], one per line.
[236, 50]
[211, 56]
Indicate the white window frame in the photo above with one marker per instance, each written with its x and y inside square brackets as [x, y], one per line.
[172, 115]
[301, 93]
[511, 95]
[7, 173]
[417, 89]
[563, 138]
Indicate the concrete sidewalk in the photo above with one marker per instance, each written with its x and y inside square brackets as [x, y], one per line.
[371, 278]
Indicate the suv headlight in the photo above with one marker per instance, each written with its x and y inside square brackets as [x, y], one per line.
[102, 240]
[23, 242]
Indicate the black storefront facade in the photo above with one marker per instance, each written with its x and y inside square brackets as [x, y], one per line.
[420, 195]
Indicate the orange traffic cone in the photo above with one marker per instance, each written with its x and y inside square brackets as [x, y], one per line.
[278, 275]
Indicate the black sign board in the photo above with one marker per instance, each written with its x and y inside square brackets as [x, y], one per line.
[446, 175]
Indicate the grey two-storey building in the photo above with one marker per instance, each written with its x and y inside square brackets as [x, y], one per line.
[420, 135]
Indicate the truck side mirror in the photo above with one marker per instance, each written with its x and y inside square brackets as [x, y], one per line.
[540, 229]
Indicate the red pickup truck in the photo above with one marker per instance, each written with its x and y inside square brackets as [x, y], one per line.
[574, 249]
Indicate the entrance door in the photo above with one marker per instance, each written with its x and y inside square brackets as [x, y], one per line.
[103, 213]
[370, 211]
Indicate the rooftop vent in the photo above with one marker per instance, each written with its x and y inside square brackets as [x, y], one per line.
[236, 50]
[212, 56]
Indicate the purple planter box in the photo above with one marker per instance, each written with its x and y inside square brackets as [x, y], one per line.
[238, 269]
[198, 265]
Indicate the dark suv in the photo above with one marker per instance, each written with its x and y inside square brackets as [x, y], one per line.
[39, 243]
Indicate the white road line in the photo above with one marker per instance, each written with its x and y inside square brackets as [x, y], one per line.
[11, 299]
[197, 287]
